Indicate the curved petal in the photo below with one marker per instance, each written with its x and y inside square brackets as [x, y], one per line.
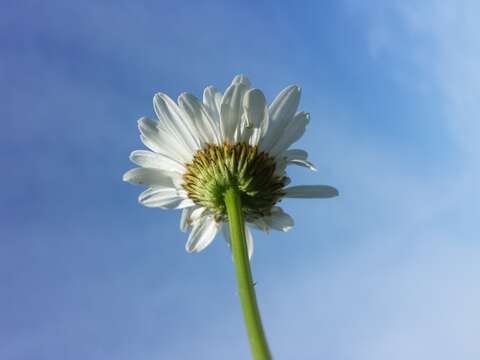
[191, 217]
[255, 136]
[241, 79]
[261, 225]
[151, 177]
[298, 154]
[164, 197]
[249, 238]
[185, 218]
[202, 234]
[279, 220]
[212, 99]
[303, 163]
[311, 191]
[231, 111]
[285, 104]
[200, 117]
[175, 122]
[255, 108]
[159, 141]
[292, 133]
[296, 157]
[281, 112]
[160, 161]
[149, 134]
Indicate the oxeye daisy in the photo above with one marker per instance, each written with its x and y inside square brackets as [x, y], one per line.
[223, 161]
[200, 148]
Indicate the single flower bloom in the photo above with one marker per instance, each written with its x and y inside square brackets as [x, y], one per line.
[199, 148]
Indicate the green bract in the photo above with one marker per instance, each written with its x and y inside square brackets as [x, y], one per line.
[216, 168]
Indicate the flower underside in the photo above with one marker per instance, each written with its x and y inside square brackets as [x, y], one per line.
[217, 167]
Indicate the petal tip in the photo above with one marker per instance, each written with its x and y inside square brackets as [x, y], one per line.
[188, 249]
[142, 120]
[159, 98]
[127, 177]
[241, 79]
[295, 88]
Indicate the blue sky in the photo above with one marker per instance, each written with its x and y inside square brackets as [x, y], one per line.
[388, 270]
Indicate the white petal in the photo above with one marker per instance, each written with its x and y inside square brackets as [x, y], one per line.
[212, 100]
[175, 122]
[240, 133]
[296, 157]
[261, 225]
[281, 112]
[185, 218]
[149, 134]
[285, 104]
[245, 133]
[192, 216]
[150, 159]
[231, 110]
[304, 163]
[297, 154]
[164, 197]
[292, 133]
[200, 117]
[150, 177]
[202, 234]
[241, 79]
[311, 191]
[255, 107]
[161, 142]
[226, 233]
[255, 137]
[248, 238]
[279, 220]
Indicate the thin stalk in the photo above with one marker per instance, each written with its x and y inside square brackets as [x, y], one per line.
[246, 290]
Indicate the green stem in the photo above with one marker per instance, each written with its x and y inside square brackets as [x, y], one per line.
[246, 291]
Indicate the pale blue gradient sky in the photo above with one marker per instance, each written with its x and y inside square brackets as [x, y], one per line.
[389, 270]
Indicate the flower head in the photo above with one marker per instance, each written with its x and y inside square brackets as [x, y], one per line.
[199, 148]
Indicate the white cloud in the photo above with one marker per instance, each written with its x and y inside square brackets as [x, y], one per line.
[440, 38]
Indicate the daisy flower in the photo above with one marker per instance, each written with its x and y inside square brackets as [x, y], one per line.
[223, 161]
[201, 147]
